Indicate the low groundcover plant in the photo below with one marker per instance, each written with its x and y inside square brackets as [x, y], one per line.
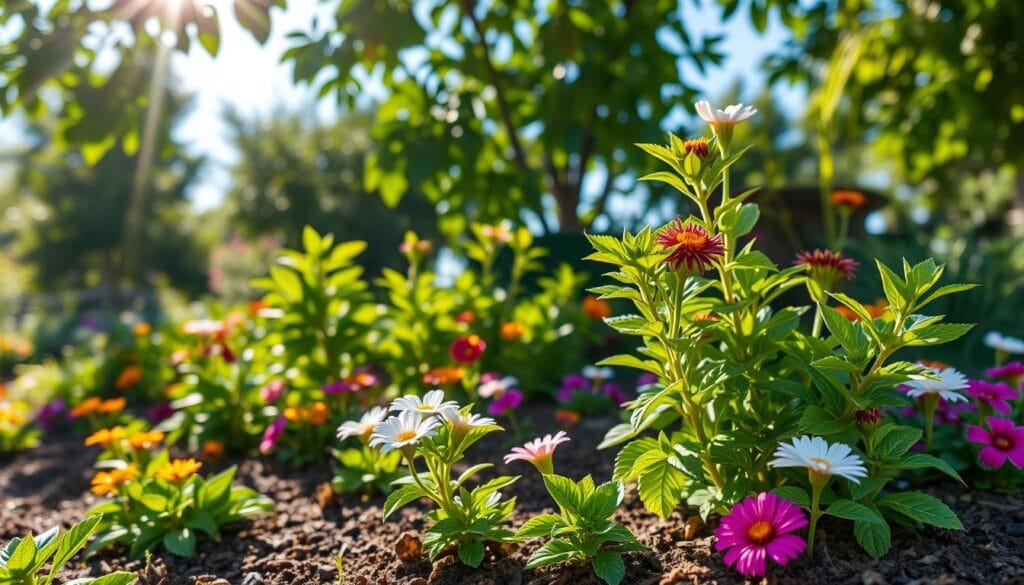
[437, 432]
[23, 559]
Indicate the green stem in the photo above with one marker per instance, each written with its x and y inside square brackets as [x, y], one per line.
[818, 319]
[815, 512]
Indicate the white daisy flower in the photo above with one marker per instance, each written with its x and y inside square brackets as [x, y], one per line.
[948, 386]
[820, 458]
[596, 373]
[461, 421]
[1004, 343]
[405, 429]
[730, 116]
[365, 425]
[432, 403]
[495, 388]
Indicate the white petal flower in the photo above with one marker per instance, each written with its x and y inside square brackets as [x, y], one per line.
[1004, 343]
[948, 386]
[815, 454]
[405, 429]
[365, 425]
[730, 116]
[596, 373]
[495, 388]
[432, 403]
[459, 420]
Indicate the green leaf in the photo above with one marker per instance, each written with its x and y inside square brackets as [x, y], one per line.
[471, 553]
[661, 487]
[898, 441]
[821, 422]
[936, 334]
[923, 508]
[946, 290]
[618, 434]
[603, 502]
[540, 525]
[181, 543]
[925, 461]
[72, 541]
[873, 537]
[23, 557]
[625, 461]
[565, 492]
[400, 497]
[893, 286]
[118, 578]
[555, 551]
[850, 510]
[794, 494]
[609, 567]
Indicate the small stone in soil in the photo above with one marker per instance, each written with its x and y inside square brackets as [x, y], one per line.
[693, 524]
[325, 495]
[408, 548]
[870, 577]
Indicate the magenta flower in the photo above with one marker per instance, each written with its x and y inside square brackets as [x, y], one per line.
[1002, 441]
[575, 382]
[272, 392]
[539, 452]
[761, 527]
[273, 434]
[1012, 373]
[613, 391]
[646, 379]
[992, 394]
[505, 403]
[160, 412]
[51, 412]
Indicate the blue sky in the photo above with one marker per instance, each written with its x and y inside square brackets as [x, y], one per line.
[249, 77]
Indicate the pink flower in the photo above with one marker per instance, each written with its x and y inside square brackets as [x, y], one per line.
[467, 349]
[539, 452]
[1012, 372]
[612, 390]
[761, 527]
[646, 379]
[992, 394]
[272, 392]
[509, 400]
[1003, 440]
[272, 435]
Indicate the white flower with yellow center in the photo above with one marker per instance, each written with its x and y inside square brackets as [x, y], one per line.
[730, 116]
[431, 403]
[947, 387]
[1004, 343]
[365, 425]
[463, 422]
[820, 458]
[404, 430]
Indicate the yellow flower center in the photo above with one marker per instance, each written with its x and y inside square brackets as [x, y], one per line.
[691, 239]
[424, 407]
[405, 436]
[760, 532]
[823, 464]
[1002, 443]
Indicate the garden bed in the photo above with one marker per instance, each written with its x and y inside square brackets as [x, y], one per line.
[50, 485]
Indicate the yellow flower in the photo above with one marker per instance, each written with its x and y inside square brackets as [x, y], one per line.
[105, 437]
[293, 414]
[108, 482]
[178, 470]
[128, 378]
[511, 331]
[112, 406]
[145, 440]
[9, 415]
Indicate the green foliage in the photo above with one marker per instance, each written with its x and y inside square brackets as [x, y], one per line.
[366, 470]
[156, 510]
[23, 558]
[582, 531]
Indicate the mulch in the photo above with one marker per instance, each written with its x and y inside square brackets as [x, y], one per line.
[313, 532]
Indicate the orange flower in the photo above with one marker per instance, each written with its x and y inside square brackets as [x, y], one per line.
[465, 317]
[108, 482]
[596, 308]
[567, 418]
[847, 312]
[706, 316]
[3, 390]
[256, 306]
[847, 198]
[112, 406]
[178, 470]
[105, 437]
[145, 440]
[293, 413]
[141, 329]
[442, 376]
[86, 407]
[512, 331]
[876, 311]
[317, 414]
[213, 449]
[499, 233]
[128, 378]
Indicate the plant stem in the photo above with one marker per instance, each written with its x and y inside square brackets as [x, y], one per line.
[815, 512]
[816, 329]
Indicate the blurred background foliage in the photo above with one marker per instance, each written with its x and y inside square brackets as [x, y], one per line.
[476, 110]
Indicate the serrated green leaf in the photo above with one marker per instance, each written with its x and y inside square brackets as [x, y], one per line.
[923, 508]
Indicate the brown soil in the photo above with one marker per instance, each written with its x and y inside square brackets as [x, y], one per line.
[299, 544]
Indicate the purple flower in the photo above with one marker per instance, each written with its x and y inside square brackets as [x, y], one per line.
[1012, 372]
[508, 401]
[160, 411]
[1003, 440]
[575, 382]
[612, 390]
[992, 394]
[52, 411]
[646, 379]
[272, 392]
[273, 434]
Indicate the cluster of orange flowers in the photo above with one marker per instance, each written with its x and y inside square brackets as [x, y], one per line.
[178, 470]
[114, 435]
[511, 331]
[316, 414]
[94, 405]
[129, 377]
[443, 375]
